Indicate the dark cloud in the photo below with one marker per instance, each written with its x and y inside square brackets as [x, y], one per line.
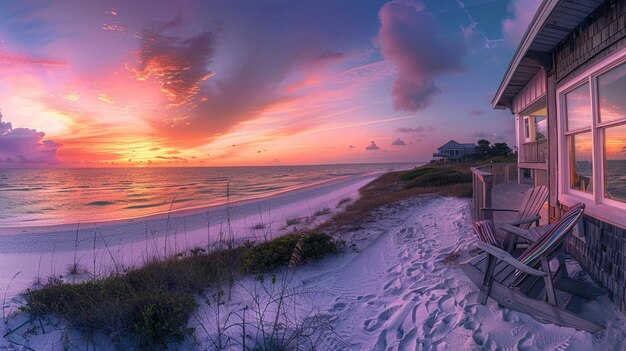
[420, 131]
[372, 147]
[351, 147]
[410, 130]
[477, 112]
[413, 41]
[179, 63]
[178, 158]
[398, 142]
[23, 145]
[330, 55]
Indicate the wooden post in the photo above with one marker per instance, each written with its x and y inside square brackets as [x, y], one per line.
[486, 200]
[545, 266]
[485, 289]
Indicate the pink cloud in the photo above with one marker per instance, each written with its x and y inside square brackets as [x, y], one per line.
[411, 38]
[514, 27]
[11, 59]
[23, 145]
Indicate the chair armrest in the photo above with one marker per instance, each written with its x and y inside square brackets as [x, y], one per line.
[524, 221]
[506, 257]
[524, 234]
[497, 209]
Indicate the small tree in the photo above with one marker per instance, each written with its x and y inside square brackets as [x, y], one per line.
[500, 149]
[484, 146]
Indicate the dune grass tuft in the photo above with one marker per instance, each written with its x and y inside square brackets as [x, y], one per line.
[151, 305]
[396, 186]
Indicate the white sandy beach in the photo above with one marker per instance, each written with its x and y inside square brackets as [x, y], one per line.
[395, 288]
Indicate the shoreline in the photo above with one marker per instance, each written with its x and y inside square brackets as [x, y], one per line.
[48, 251]
[174, 213]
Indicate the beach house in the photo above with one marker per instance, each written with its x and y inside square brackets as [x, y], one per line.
[566, 86]
[453, 150]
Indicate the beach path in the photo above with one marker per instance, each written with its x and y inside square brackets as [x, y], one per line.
[406, 292]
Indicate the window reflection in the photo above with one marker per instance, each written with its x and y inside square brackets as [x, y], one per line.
[578, 104]
[611, 93]
[615, 163]
[581, 165]
[541, 127]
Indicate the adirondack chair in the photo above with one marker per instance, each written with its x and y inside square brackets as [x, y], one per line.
[526, 282]
[527, 215]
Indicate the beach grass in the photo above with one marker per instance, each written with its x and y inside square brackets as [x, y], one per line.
[447, 180]
[152, 304]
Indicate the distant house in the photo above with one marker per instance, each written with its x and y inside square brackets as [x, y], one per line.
[454, 151]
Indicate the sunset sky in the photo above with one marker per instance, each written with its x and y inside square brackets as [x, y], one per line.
[208, 83]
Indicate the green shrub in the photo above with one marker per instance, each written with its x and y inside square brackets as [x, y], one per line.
[160, 317]
[152, 304]
[276, 253]
[444, 177]
[409, 175]
[316, 246]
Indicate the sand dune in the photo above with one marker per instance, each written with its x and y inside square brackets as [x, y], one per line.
[398, 288]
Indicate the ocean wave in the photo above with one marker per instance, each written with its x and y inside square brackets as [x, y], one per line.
[101, 203]
[22, 189]
[136, 207]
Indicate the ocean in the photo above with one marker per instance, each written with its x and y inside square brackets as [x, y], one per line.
[34, 197]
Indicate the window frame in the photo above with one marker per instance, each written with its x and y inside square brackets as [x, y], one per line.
[609, 210]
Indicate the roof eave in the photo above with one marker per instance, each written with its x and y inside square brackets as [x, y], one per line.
[545, 9]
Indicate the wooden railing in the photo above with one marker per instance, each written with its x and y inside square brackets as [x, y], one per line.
[484, 178]
[535, 151]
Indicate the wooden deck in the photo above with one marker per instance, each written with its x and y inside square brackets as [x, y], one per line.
[510, 195]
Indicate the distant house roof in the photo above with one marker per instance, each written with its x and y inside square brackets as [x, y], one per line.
[553, 21]
[452, 144]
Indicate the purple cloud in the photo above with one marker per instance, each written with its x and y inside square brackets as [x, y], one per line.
[372, 147]
[477, 112]
[410, 130]
[179, 63]
[23, 145]
[398, 142]
[514, 27]
[412, 40]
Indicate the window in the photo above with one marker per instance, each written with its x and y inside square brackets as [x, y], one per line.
[578, 121]
[615, 163]
[592, 127]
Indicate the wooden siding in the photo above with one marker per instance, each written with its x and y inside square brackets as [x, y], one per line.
[531, 93]
[601, 251]
[600, 247]
[601, 34]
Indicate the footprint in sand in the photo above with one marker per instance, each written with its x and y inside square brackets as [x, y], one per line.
[480, 337]
[339, 306]
[365, 298]
[394, 287]
[373, 324]
[526, 343]
[407, 341]
[395, 269]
